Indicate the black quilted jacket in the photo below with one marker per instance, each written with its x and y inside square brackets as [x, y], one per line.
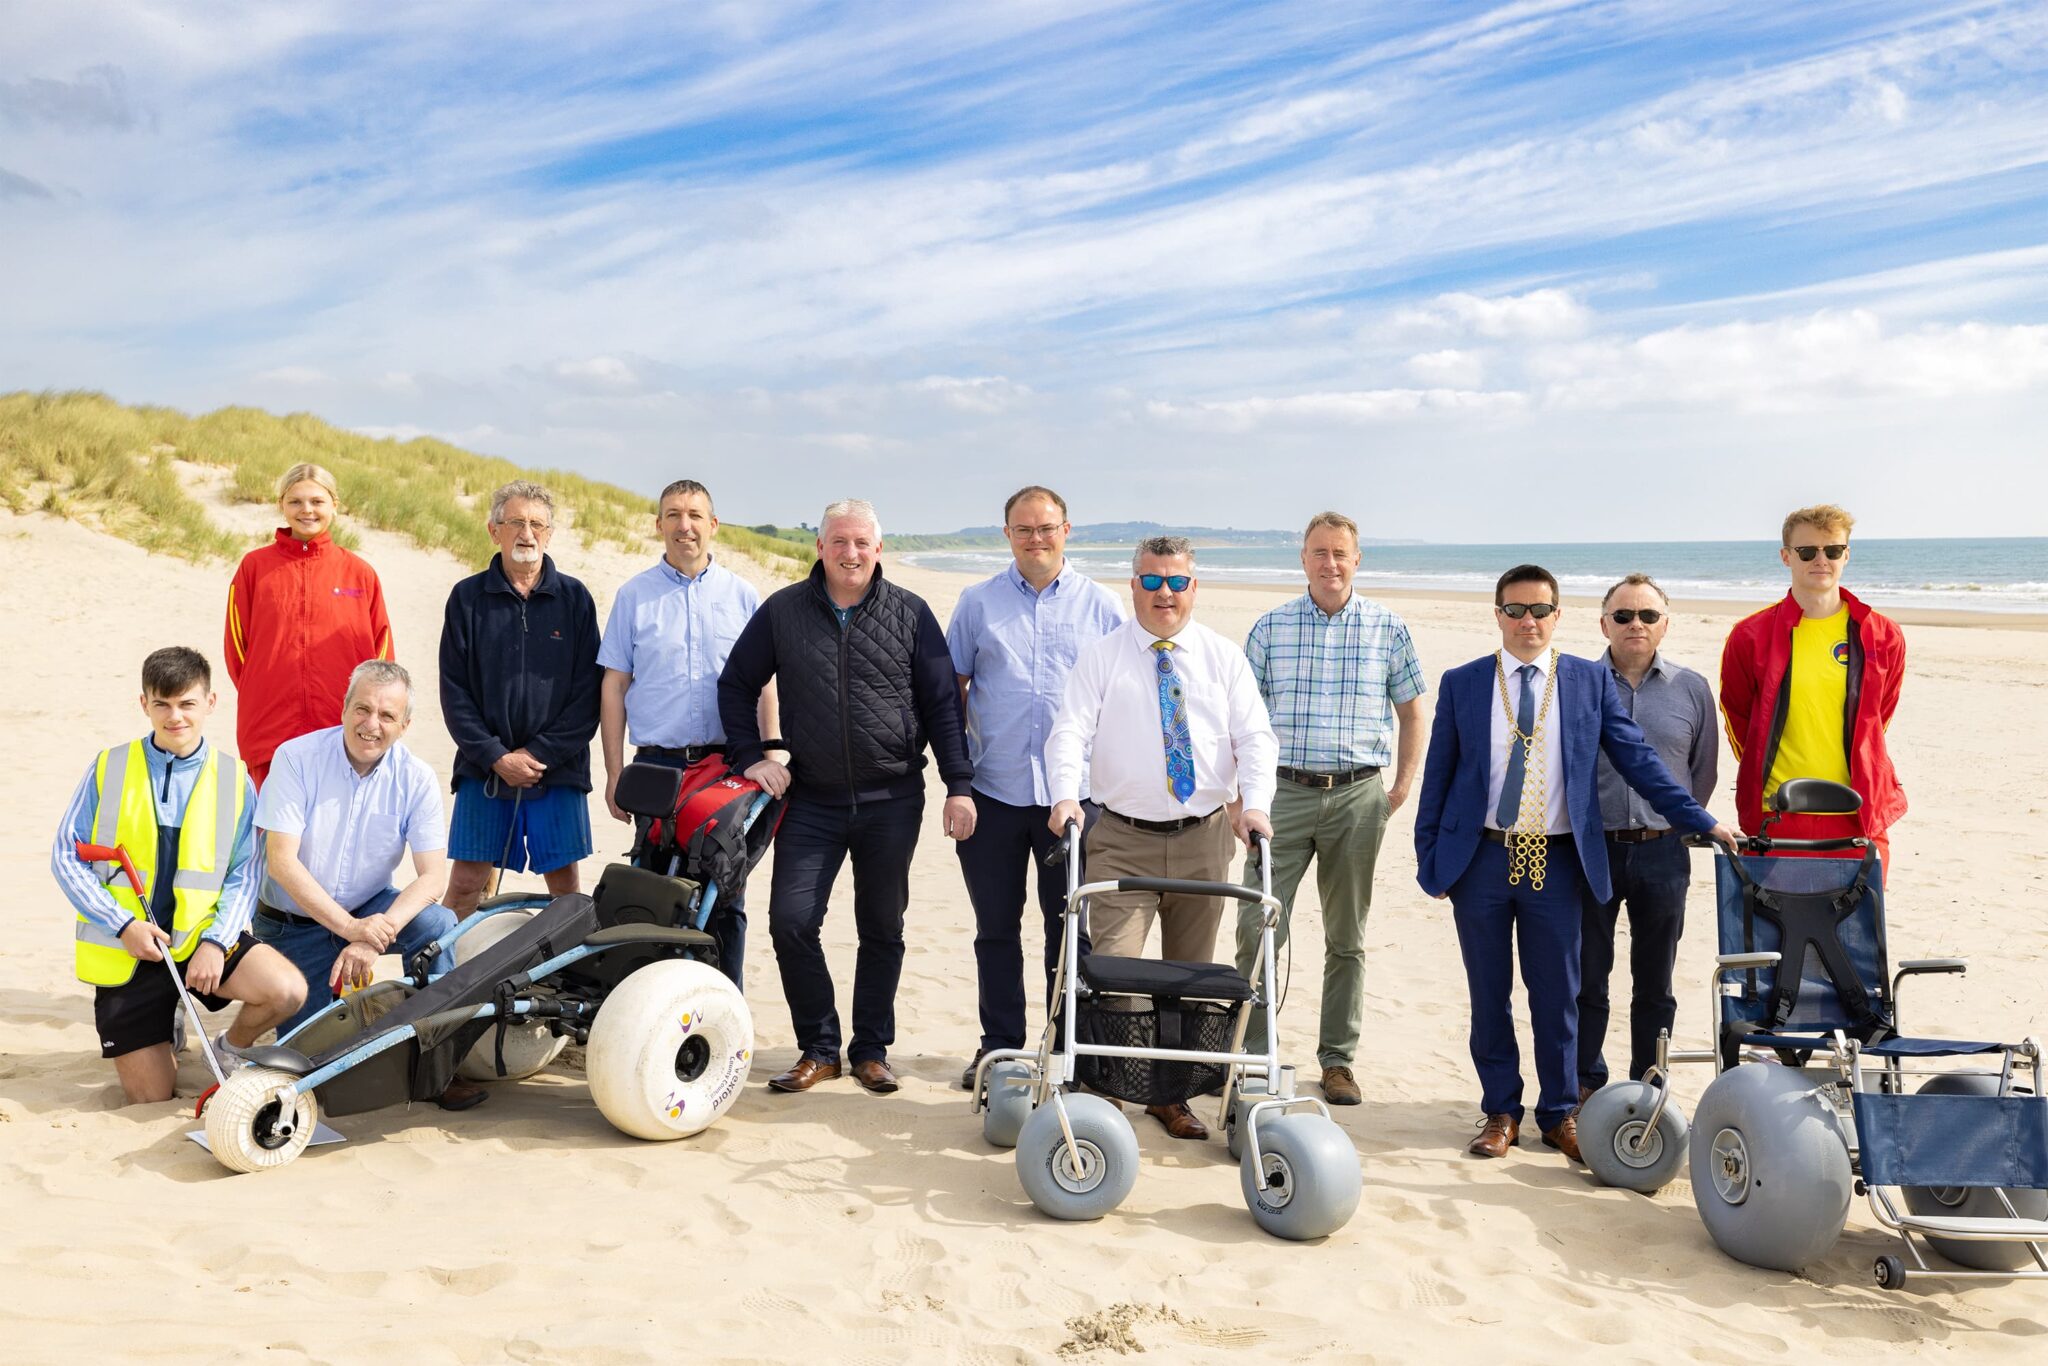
[859, 705]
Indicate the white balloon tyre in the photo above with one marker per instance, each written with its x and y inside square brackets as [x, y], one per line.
[669, 1050]
[240, 1115]
[528, 1047]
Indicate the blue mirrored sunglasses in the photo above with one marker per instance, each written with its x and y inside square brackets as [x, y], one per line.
[1177, 582]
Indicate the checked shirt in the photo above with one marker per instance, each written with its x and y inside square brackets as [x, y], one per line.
[1331, 683]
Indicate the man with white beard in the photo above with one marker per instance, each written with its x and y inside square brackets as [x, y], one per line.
[519, 694]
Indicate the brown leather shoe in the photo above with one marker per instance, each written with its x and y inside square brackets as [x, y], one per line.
[1178, 1120]
[1565, 1137]
[807, 1073]
[875, 1075]
[967, 1076]
[461, 1095]
[1496, 1137]
[1340, 1087]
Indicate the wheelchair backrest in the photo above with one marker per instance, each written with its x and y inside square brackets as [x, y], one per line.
[1818, 1006]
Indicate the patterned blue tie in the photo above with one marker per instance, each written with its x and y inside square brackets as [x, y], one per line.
[1510, 808]
[1173, 726]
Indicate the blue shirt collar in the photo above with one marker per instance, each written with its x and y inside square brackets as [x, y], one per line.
[1023, 585]
[1656, 662]
[675, 575]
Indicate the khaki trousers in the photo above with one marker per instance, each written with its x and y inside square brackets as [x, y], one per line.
[1120, 922]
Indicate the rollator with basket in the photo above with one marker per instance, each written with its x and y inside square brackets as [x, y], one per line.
[1154, 1033]
[628, 970]
[1814, 1101]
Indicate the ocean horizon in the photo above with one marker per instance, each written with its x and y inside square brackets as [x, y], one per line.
[1980, 574]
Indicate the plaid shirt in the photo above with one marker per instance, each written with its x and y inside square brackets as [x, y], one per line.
[1330, 682]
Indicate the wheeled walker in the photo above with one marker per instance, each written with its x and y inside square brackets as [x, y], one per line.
[1154, 1033]
[1812, 1103]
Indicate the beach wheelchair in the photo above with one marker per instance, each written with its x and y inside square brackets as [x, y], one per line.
[1153, 1033]
[627, 971]
[1819, 1096]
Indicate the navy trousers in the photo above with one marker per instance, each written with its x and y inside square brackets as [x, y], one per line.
[1007, 844]
[815, 841]
[1651, 878]
[728, 923]
[1494, 920]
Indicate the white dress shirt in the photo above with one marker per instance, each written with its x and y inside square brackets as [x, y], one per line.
[1556, 820]
[1109, 727]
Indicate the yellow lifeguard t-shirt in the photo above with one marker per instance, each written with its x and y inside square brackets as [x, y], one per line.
[1812, 745]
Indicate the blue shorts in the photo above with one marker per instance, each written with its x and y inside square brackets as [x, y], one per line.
[553, 827]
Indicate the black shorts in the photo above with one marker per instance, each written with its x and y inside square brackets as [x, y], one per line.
[138, 1013]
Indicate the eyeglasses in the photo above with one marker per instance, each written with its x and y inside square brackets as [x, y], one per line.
[1176, 582]
[1515, 611]
[521, 524]
[1649, 616]
[1037, 533]
[1807, 552]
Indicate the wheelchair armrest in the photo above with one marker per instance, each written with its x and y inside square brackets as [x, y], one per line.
[1913, 967]
[1746, 962]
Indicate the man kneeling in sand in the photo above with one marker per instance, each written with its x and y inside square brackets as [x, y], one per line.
[338, 812]
[183, 811]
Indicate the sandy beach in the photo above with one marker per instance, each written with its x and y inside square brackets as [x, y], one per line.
[839, 1226]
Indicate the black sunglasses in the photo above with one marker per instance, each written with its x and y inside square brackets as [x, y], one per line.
[1624, 615]
[1515, 611]
[1807, 552]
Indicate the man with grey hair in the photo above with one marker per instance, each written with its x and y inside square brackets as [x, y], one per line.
[340, 810]
[866, 683]
[1650, 866]
[519, 694]
[1163, 717]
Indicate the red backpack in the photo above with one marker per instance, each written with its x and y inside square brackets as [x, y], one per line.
[708, 830]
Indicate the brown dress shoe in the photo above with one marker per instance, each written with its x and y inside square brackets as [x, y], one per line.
[461, 1095]
[875, 1074]
[1340, 1087]
[1178, 1120]
[967, 1076]
[1496, 1137]
[1565, 1137]
[807, 1073]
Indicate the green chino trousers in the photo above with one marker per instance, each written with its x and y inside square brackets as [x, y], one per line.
[1340, 828]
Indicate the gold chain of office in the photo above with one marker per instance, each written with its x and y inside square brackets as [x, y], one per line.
[1528, 844]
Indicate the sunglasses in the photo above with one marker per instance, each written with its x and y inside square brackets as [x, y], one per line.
[1649, 616]
[1515, 611]
[1176, 582]
[1807, 552]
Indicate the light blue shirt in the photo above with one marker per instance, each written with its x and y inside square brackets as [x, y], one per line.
[672, 633]
[83, 890]
[353, 828]
[1018, 644]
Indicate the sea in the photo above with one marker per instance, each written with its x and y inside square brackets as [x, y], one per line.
[1990, 574]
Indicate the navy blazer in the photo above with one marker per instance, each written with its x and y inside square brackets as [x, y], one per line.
[1451, 811]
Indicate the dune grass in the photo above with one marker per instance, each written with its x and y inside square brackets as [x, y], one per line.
[84, 456]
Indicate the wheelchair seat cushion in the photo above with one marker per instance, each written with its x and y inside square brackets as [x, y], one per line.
[1108, 975]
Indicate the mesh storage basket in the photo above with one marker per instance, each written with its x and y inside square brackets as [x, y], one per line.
[1170, 1023]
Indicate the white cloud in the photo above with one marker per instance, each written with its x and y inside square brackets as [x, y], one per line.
[295, 375]
[1451, 367]
[1539, 313]
[984, 394]
[1369, 406]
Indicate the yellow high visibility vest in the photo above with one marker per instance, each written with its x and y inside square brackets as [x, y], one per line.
[206, 846]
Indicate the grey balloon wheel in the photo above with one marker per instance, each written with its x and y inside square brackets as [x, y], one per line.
[1770, 1168]
[1249, 1092]
[1313, 1180]
[1975, 1202]
[1619, 1143]
[1007, 1107]
[1089, 1182]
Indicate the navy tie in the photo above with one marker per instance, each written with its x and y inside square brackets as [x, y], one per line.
[1510, 808]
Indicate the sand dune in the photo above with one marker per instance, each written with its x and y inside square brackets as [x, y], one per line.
[844, 1227]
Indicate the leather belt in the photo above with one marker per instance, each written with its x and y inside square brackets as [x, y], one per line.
[688, 754]
[1161, 827]
[1308, 778]
[1494, 836]
[288, 917]
[1641, 836]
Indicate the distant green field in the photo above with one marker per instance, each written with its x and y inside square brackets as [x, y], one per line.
[84, 456]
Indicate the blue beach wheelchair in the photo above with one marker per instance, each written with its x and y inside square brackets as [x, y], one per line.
[628, 971]
[1819, 1096]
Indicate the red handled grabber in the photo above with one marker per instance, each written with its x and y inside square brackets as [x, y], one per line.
[103, 853]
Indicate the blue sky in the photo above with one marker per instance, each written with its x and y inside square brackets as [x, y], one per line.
[1470, 272]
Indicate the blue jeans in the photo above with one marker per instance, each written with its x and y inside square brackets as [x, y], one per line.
[1651, 878]
[312, 949]
[815, 840]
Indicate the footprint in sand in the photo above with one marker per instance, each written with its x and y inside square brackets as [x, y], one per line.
[1428, 1292]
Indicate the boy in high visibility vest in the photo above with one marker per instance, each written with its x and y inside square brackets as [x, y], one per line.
[185, 813]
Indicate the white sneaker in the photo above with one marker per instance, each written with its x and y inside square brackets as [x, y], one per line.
[178, 1038]
[229, 1055]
